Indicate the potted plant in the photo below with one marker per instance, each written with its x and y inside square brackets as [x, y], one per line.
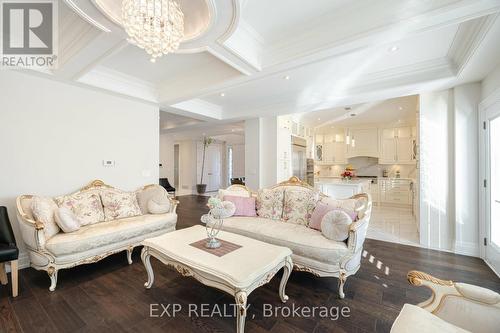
[201, 188]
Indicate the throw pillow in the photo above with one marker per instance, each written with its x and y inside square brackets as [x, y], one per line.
[86, 205]
[244, 206]
[269, 203]
[159, 204]
[322, 208]
[234, 193]
[299, 205]
[43, 211]
[146, 194]
[335, 225]
[67, 220]
[119, 204]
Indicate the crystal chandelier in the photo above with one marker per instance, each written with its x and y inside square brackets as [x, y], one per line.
[157, 26]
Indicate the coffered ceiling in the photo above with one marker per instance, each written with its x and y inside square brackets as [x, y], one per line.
[245, 58]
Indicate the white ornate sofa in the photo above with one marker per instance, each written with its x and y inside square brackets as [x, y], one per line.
[453, 307]
[93, 242]
[312, 252]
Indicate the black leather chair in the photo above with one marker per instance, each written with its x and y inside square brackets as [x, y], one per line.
[8, 251]
[166, 185]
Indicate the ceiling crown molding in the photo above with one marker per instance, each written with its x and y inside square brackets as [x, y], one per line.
[118, 82]
[469, 36]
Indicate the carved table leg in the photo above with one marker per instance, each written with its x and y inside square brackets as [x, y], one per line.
[52, 271]
[145, 256]
[241, 303]
[129, 254]
[284, 279]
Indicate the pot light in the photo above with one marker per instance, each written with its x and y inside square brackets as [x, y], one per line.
[222, 94]
[400, 108]
[393, 48]
[287, 77]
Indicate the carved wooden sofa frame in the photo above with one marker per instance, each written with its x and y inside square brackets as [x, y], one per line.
[34, 238]
[351, 262]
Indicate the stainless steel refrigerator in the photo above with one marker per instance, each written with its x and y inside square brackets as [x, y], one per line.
[302, 167]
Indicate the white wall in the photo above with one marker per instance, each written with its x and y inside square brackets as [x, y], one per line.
[252, 153]
[187, 167]
[261, 152]
[491, 83]
[167, 157]
[466, 100]
[436, 169]
[54, 137]
[238, 160]
[449, 189]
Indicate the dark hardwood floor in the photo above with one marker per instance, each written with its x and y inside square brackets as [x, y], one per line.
[109, 296]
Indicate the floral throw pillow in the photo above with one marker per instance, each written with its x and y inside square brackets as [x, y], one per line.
[299, 205]
[118, 204]
[269, 203]
[86, 206]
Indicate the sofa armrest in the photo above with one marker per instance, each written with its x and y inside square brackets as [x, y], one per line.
[464, 305]
[31, 230]
[173, 204]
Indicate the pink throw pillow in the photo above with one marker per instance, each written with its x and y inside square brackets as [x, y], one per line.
[320, 211]
[244, 206]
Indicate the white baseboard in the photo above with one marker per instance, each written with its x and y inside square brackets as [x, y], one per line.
[467, 248]
[492, 268]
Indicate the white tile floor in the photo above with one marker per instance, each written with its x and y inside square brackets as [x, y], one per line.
[393, 224]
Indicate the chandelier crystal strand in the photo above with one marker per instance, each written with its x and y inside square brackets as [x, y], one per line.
[157, 26]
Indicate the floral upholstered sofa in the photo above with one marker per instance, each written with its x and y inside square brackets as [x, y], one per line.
[283, 217]
[108, 221]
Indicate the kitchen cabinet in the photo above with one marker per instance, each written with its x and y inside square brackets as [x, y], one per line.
[395, 191]
[397, 146]
[363, 142]
[330, 148]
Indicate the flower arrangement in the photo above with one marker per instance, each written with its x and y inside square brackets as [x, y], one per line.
[348, 173]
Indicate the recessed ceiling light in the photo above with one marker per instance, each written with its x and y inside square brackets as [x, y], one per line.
[393, 48]
[287, 77]
[400, 108]
[222, 94]
[232, 129]
[319, 118]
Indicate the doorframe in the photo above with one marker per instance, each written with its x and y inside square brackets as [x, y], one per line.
[492, 101]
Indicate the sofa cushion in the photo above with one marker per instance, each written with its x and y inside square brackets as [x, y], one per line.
[415, 319]
[159, 203]
[335, 225]
[300, 239]
[119, 204]
[299, 205]
[101, 234]
[43, 210]
[67, 220]
[322, 208]
[269, 203]
[147, 193]
[86, 205]
[244, 206]
[234, 191]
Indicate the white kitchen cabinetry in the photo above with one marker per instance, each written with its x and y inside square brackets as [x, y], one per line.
[330, 148]
[363, 142]
[395, 191]
[397, 146]
[284, 151]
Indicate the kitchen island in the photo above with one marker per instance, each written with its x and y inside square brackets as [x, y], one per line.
[340, 189]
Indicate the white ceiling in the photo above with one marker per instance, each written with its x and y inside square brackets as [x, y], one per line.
[336, 53]
[401, 109]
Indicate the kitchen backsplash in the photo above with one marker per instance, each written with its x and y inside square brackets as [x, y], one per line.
[367, 166]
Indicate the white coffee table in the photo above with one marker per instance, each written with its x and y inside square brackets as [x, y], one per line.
[237, 273]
